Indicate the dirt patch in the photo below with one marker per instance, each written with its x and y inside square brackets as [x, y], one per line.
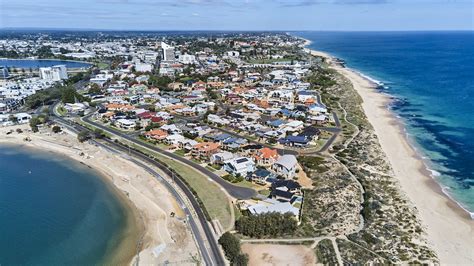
[273, 254]
[303, 179]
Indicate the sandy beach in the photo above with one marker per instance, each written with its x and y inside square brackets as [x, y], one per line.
[149, 201]
[449, 229]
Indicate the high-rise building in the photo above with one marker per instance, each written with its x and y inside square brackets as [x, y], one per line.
[4, 73]
[167, 52]
[55, 73]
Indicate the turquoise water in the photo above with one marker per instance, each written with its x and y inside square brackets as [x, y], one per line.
[55, 211]
[32, 63]
[431, 77]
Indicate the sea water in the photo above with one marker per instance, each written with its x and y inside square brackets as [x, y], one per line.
[37, 63]
[55, 211]
[431, 77]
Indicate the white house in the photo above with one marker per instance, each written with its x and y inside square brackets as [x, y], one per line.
[221, 157]
[22, 118]
[286, 165]
[239, 166]
[217, 120]
[317, 109]
[175, 139]
[187, 144]
[271, 205]
[143, 67]
[172, 129]
[75, 107]
[295, 125]
[126, 124]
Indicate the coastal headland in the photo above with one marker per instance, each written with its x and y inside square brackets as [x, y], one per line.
[148, 201]
[450, 231]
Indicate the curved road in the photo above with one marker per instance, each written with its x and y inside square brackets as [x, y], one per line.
[233, 190]
[216, 257]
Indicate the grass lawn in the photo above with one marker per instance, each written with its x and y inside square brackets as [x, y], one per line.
[321, 142]
[210, 168]
[102, 65]
[264, 192]
[180, 152]
[237, 213]
[213, 198]
[61, 110]
[159, 145]
[246, 184]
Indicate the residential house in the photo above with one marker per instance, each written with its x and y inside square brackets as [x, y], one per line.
[221, 157]
[271, 205]
[240, 166]
[293, 126]
[217, 120]
[172, 129]
[157, 134]
[261, 176]
[126, 124]
[233, 143]
[285, 190]
[174, 139]
[295, 141]
[286, 166]
[266, 156]
[205, 150]
[310, 133]
[22, 118]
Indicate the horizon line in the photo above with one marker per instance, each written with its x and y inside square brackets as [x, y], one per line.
[228, 30]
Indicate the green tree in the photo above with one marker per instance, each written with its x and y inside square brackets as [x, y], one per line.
[83, 136]
[267, 225]
[56, 129]
[68, 95]
[34, 122]
[138, 126]
[231, 245]
[94, 89]
[241, 260]
[161, 82]
[99, 133]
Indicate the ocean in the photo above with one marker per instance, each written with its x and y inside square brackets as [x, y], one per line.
[55, 211]
[430, 75]
[34, 63]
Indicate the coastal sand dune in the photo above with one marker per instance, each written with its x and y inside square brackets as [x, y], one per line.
[450, 230]
[150, 203]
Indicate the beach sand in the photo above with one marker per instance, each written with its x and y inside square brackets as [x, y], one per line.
[149, 202]
[274, 254]
[450, 231]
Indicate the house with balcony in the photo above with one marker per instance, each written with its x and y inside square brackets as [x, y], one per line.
[286, 166]
[266, 156]
[241, 166]
[204, 150]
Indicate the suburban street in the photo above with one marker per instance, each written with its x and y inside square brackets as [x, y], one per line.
[233, 190]
[215, 258]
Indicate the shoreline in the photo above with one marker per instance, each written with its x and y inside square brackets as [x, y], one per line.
[121, 252]
[145, 200]
[449, 228]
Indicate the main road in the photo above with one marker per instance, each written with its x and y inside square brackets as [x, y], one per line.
[233, 190]
[214, 257]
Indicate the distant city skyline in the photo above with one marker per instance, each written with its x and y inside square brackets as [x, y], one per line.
[285, 15]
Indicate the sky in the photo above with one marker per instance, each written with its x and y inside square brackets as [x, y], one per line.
[285, 15]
